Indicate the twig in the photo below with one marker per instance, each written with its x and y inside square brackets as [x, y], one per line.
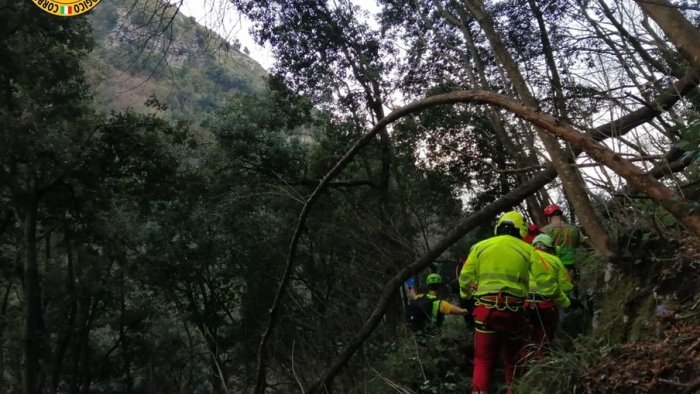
[296, 378]
[391, 384]
[693, 346]
[690, 386]
[587, 143]
[420, 364]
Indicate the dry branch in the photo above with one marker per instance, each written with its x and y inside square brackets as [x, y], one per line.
[509, 200]
[620, 126]
[634, 175]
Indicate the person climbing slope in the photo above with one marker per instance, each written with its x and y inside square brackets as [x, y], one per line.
[549, 284]
[496, 275]
[567, 238]
[426, 312]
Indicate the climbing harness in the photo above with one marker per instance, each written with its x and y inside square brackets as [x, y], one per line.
[500, 301]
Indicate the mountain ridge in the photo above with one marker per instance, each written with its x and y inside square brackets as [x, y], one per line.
[147, 49]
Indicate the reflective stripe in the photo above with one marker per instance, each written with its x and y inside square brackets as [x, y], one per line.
[482, 327]
[436, 311]
[464, 277]
[504, 277]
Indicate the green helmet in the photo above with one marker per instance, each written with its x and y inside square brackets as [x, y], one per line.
[545, 240]
[433, 279]
[515, 219]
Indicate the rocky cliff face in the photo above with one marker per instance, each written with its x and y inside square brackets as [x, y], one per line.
[146, 49]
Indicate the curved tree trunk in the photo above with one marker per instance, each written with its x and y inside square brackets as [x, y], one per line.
[678, 207]
[511, 199]
[657, 191]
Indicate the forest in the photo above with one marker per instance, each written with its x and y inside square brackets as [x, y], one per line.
[219, 229]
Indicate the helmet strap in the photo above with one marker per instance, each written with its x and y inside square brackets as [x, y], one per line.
[508, 229]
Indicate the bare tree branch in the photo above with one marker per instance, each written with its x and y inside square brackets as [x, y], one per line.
[657, 191]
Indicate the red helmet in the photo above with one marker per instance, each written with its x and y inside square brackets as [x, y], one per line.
[550, 210]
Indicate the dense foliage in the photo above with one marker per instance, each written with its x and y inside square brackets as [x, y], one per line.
[141, 251]
[146, 48]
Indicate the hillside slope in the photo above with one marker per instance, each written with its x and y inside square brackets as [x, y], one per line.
[146, 49]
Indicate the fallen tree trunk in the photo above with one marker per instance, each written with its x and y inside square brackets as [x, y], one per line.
[661, 194]
[506, 202]
[618, 127]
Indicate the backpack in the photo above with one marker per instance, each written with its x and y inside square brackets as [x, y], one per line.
[419, 312]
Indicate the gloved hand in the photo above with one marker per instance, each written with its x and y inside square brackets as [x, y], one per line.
[410, 283]
[467, 303]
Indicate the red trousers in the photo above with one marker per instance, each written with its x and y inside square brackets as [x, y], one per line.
[544, 319]
[498, 332]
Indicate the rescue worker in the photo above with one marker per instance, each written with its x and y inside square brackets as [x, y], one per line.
[497, 274]
[532, 231]
[549, 284]
[426, 312]
[567, 238]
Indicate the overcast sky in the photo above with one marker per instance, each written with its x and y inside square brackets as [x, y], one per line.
[221, 17]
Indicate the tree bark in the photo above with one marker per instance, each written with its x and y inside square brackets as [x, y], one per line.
[33, 325]
[679, 30]
[66, 334]
[571, 181]
[523, 159]
[484, 215]
[587, 143]
[637, 45]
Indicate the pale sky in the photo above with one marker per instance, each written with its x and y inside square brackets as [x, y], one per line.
[221, 17]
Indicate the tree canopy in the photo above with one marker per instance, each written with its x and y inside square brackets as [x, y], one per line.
[262, 246]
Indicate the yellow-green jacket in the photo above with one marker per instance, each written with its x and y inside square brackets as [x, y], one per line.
[498, 264]
[548, 278]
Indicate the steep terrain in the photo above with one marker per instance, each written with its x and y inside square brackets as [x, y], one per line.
[148, 49]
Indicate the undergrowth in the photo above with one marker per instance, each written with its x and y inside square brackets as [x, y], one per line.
[646, 334]
[638, 330]
[432, 364]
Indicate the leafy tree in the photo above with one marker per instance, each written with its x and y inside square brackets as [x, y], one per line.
[46, 123]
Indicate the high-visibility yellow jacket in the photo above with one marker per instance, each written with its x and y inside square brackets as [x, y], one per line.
[500, 264]
[548, 278]
[440, 307]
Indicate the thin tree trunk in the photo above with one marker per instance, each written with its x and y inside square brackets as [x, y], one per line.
[123, 339]
[67, 333]
[523, 158]
[3, 324]
[479, 97]
[679, 30]
[33, 326]
[571, 182]
[484, 215]
[560, 110]
[657, 191]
